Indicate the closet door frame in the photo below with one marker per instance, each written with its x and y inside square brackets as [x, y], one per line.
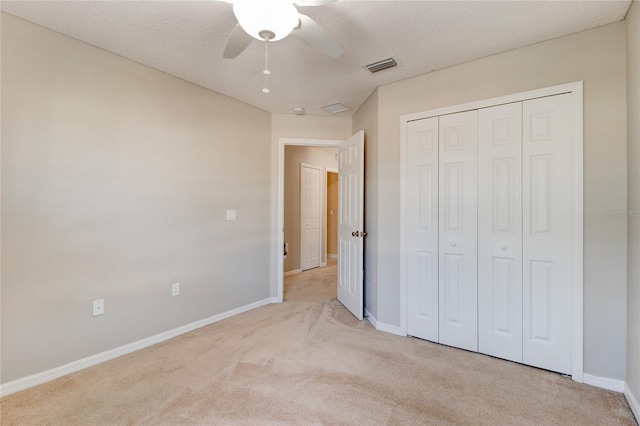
[577, 266]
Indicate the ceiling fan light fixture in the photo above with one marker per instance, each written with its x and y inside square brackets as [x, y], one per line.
[279, 17]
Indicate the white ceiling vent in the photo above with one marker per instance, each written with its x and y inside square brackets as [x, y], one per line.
[378, 66]
[335, 108]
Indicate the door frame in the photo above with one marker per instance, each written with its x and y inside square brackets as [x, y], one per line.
[577, 267]
[321, 213]
[282, 142]
[327, 170]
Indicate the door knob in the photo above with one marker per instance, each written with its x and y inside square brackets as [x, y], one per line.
[503, 247]
[453, 243]
[355, 233]
[363, 234]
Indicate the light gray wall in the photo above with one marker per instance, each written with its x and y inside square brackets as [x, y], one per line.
[366, 118]
[293, 157]
[115, 182]
[633, 123]
[598, 58]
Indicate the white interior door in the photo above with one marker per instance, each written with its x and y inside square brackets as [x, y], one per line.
[351, 223]
[500, 231]
[458, 237]
[310, 203]
[547, 236]
[422, 228]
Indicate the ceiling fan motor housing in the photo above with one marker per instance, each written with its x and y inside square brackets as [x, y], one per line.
[260, 17]
[267, 35]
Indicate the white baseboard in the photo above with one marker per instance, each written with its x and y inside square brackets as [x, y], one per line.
[603, 382]
[54, 373]
[332, 256]
[371, 318]
[388, 328]
[380, 326]
[633, 402]
[292, 272]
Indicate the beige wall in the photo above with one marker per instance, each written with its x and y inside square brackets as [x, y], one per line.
[335, 127]
[297, 127]
[293, 157]
[332, 213]
[366, 118]
[633, 220]
[115, 182]
[598, 58]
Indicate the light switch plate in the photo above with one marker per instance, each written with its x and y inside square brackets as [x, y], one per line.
[231, 215]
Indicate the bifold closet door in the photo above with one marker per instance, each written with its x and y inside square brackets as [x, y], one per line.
[422, 228]
[547, 236]
[500, 231]
[458, 236]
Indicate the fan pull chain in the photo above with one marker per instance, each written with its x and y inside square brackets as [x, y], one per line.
[266, 71]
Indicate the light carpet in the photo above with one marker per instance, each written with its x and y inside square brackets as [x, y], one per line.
[309, 361]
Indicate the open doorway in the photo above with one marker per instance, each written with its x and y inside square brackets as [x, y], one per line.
[307, 211]
[332, 215]
[349, 280]
[289, 264]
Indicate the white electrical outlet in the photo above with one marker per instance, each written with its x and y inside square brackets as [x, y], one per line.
[98, 307]
[231, 215]
[175, 289]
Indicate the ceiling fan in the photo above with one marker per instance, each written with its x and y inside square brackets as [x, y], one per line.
[273, 20]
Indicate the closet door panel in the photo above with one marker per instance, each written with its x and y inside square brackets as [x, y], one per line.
[500, 231]
[422, 228]
[547, 232]
[458, 325]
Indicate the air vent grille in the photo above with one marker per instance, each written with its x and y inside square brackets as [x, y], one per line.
[381, 65]
[336, 108]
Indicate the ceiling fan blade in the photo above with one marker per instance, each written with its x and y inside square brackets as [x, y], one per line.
[312, 2]
[311, 33]
[238, 41]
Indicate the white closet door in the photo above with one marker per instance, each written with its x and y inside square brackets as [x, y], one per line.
[458, 257]
[500, 231]
[422, 228]
[547, 216]
[310, 205]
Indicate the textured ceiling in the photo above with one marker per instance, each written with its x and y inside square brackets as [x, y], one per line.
[187, 38]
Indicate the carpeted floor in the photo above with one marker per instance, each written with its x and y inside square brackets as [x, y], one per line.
[308, 361]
